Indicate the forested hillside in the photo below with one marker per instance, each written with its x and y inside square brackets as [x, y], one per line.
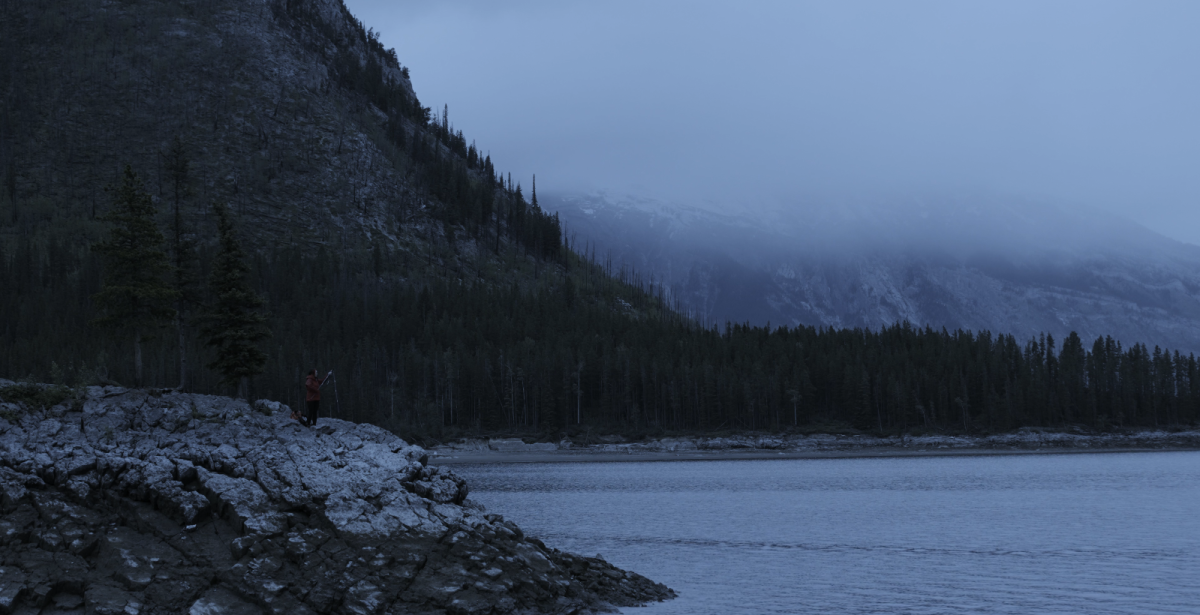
[391, 249]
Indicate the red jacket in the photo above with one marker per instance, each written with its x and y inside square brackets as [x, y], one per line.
[312, 388]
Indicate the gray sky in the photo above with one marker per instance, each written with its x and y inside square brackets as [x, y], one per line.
[744, 103]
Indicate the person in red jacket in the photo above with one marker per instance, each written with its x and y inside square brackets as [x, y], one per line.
[312, 395]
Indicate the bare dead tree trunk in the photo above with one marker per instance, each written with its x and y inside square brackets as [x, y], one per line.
[183, 365]
[137, 357]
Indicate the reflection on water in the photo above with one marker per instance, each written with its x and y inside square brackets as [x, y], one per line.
[1104, 533]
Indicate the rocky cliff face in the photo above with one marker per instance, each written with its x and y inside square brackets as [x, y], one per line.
[249, 88]
[134, 501]
[978, 263]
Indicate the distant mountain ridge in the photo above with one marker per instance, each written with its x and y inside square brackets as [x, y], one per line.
[977, 263]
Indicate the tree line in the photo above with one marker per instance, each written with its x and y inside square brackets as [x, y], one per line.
[448, 359]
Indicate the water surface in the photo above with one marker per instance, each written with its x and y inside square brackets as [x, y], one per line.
[1102, 533]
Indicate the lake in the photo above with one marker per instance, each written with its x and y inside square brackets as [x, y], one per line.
[1080, 533]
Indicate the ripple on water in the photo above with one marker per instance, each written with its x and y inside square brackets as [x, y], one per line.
[1105, 533]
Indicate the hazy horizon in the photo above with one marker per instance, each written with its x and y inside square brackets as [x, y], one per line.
[1080, 103]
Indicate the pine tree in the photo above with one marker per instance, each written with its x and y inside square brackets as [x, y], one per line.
[184, 257]
[136, 296]
[235, 322]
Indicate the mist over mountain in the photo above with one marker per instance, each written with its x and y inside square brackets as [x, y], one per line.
[969, 261]
[683, 101]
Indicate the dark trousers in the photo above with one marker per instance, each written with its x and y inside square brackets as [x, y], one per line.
[313, 406]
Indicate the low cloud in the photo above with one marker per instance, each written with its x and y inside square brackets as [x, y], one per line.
[738, 105]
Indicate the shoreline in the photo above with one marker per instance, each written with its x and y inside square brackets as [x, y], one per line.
[497, 457]
[734, 448]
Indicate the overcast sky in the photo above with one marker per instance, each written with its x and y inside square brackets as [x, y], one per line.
[743, 103]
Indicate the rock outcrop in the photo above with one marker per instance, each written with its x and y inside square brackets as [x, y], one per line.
[139, 502]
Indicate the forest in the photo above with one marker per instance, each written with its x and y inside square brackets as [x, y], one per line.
[579, 349]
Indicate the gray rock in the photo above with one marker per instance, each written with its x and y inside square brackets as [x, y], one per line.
[160, 502]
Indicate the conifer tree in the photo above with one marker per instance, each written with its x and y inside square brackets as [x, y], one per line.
[235, 322]
[136, 295]
[184, 257]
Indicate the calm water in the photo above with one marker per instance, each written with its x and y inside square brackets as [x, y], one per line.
[1112, 533]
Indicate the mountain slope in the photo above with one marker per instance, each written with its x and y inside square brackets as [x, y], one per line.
[90, 87]
[979, 263]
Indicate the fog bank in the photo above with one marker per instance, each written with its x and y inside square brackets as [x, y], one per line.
[739, 105]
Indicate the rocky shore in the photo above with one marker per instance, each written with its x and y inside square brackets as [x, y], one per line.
[812, 446]
[119, 501]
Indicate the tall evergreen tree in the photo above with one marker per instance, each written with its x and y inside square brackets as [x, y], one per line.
[136, 295]
[235, 322]
[184, 257]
